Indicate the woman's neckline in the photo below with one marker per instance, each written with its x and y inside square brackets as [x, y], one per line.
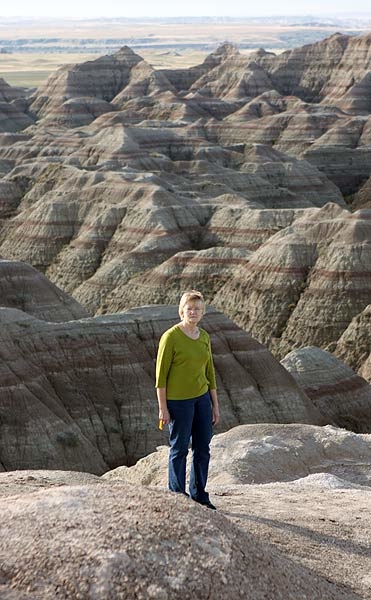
[188, 336]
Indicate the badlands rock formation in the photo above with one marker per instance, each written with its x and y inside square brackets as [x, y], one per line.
[80, 394]
[123, 185]
[233, 176]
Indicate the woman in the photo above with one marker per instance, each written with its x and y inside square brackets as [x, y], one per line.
[187, 397]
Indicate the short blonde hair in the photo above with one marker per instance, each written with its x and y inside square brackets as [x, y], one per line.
[187, 297]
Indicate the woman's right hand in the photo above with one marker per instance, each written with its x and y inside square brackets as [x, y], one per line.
[164, 416]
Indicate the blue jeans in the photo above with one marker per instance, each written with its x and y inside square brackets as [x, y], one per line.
[190, 420]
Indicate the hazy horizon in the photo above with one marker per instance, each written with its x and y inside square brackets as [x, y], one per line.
[192, 8]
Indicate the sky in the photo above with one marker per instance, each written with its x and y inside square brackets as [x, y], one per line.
[174, 8]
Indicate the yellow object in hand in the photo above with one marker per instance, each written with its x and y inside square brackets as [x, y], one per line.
[160, 424]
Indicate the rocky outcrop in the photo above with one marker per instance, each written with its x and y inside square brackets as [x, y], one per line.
[342, 396]
[10, 197]
[298, 475]
[80, 395]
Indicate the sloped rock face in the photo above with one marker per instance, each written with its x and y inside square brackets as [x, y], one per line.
[26, 289]
[13, 119]
[13, 108]
[80, 395]
[331, 79]
[336, 390]
[121, 224]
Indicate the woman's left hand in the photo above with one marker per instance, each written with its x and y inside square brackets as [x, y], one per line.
[216, 415]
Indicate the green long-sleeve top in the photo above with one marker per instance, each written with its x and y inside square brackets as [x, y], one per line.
[184, 366]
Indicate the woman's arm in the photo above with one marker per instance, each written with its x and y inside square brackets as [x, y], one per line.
[215, 403]
[163, 413]
[163, 364]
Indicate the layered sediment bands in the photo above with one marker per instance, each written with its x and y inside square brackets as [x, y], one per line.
[292, 127]
[9, 93]
[306, 283]
[183, 79]
[307, 185]
[342, 396]
[334, 72]
[80, 395]
[338, 288]
[77, 112]
[332, 141]
[90, 231]
[25, 288]
[236, 78]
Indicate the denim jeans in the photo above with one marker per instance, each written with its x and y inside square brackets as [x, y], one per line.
[190, 420]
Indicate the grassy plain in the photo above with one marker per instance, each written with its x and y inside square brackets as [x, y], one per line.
[32, 70]
[35, 48]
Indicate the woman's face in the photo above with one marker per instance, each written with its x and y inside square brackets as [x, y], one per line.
[193, 311]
